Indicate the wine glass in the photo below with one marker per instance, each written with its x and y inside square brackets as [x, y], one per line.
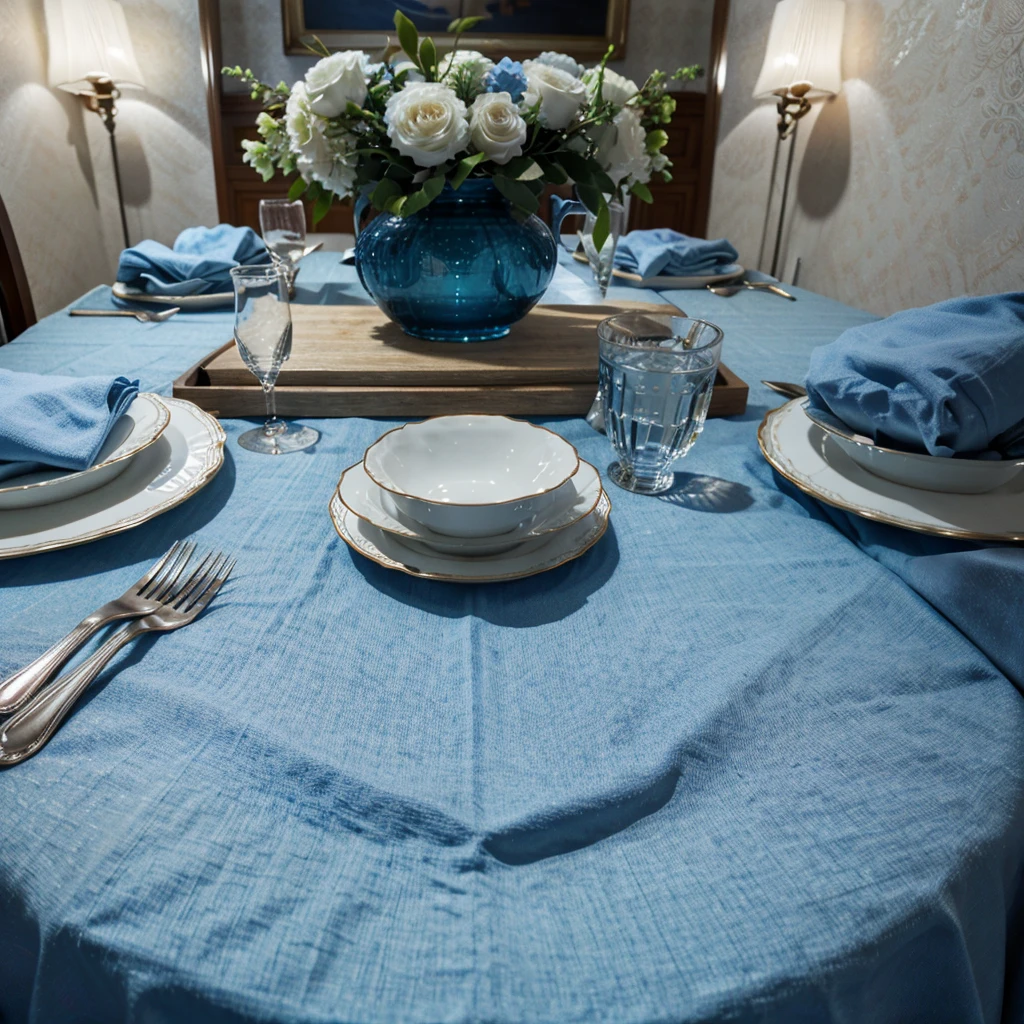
[263, 334]
[602, 262]
[283, 226]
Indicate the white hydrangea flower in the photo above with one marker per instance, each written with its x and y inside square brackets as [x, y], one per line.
[496, 127]
[559, 94]
[615, 88]
[562, 61]
[621, 150]
[480, 64]
[337, 80]
[427, 121]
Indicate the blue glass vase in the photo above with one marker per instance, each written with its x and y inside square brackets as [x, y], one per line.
[465, 268]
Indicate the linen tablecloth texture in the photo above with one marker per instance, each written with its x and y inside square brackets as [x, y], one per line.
[946, 379]
[52, 420]
[664, 251]
[734, 764]
[199, 262]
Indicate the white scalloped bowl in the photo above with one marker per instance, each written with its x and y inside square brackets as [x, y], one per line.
[471, 476]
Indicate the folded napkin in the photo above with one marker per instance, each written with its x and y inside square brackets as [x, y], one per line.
[199, 263]
[947, 379]
[663, 251]
[57, 421]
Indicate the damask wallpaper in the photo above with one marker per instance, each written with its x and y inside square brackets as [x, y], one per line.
[908, 187]
[56, 177]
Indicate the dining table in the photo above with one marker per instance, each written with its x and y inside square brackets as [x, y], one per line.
[749, 758]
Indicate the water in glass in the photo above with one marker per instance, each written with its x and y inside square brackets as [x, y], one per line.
[263, 336]
[656, 378]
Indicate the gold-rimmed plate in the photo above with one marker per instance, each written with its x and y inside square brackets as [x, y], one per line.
[183, 460]
[140, 426]
[811, 460]
[187, 303]
[388, 550]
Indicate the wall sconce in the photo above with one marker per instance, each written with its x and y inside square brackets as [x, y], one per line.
[802, 62]
[91, 56]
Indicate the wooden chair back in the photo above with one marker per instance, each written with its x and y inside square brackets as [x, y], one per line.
[16, 310]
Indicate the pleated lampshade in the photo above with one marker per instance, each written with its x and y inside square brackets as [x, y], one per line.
[89, 38]
[804, 45]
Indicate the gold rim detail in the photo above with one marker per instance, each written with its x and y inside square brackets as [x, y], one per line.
[479, 504]
[388, 563]
[213, 461]
[837, 501]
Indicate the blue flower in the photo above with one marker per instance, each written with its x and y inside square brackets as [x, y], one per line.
[507, 76]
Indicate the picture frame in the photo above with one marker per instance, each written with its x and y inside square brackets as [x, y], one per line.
[366, 25]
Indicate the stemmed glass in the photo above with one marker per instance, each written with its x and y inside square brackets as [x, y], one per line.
[602, 262]
[263, 334]
[283, 226]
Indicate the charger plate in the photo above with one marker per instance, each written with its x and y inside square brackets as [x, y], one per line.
[143, 422]
[665, 282]
[183, 460]
[811, 460]
[387, 550]
[213, 300]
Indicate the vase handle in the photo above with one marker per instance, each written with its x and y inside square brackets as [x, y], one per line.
[560, 209]
[359, 207]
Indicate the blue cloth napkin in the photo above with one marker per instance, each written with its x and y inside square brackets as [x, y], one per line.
[57, 421]
[947, 379]
[199, 263]
[664, 251]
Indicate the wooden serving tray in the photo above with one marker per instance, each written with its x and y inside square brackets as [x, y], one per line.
[353, 361]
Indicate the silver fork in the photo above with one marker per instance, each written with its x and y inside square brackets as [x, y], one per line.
[139, 599]
[29, 730]
[143, 315]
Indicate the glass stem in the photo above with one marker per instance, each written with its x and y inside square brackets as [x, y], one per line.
[270, 428]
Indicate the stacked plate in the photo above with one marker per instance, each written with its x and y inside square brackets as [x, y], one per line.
[160, 453]
[471, 499]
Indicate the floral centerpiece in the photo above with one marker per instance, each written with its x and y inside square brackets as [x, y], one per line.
[399, 133]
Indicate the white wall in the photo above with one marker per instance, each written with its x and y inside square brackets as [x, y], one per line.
[56, 177]
[908, 187]
[663, 34]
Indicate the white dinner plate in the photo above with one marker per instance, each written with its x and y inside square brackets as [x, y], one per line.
[213, 300]
[183, 460]
[142, 423]
[668, 281]
[388, 550]
[364, 499]
[809, 458]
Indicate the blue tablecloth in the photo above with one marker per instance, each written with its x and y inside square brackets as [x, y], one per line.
[748, 759]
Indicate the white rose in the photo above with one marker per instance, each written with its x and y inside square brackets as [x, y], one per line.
[621, 149]
[615, 88]
[336, 81]
[317, 157]
[562, 61]
[427, 121]
[496, 127]
[560, 95]
[457, 59]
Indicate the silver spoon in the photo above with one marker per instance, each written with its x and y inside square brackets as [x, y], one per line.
[727, 291]
[142, 315]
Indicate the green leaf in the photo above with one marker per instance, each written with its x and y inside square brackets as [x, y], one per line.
[602, 226]
[553, 173]
[321, 206]
[464, 167]
[298, 187]
[431, 189]
[407, 36]
[385, 191]
[395, 205]
[604, 183]
[517, 192]
[460, 25]
[591, 197]
[428, 58]
[641, 191]
[577, 167]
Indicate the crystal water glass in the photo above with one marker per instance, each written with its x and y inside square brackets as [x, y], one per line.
[263, 334]
[657, 373]
[283, 227]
